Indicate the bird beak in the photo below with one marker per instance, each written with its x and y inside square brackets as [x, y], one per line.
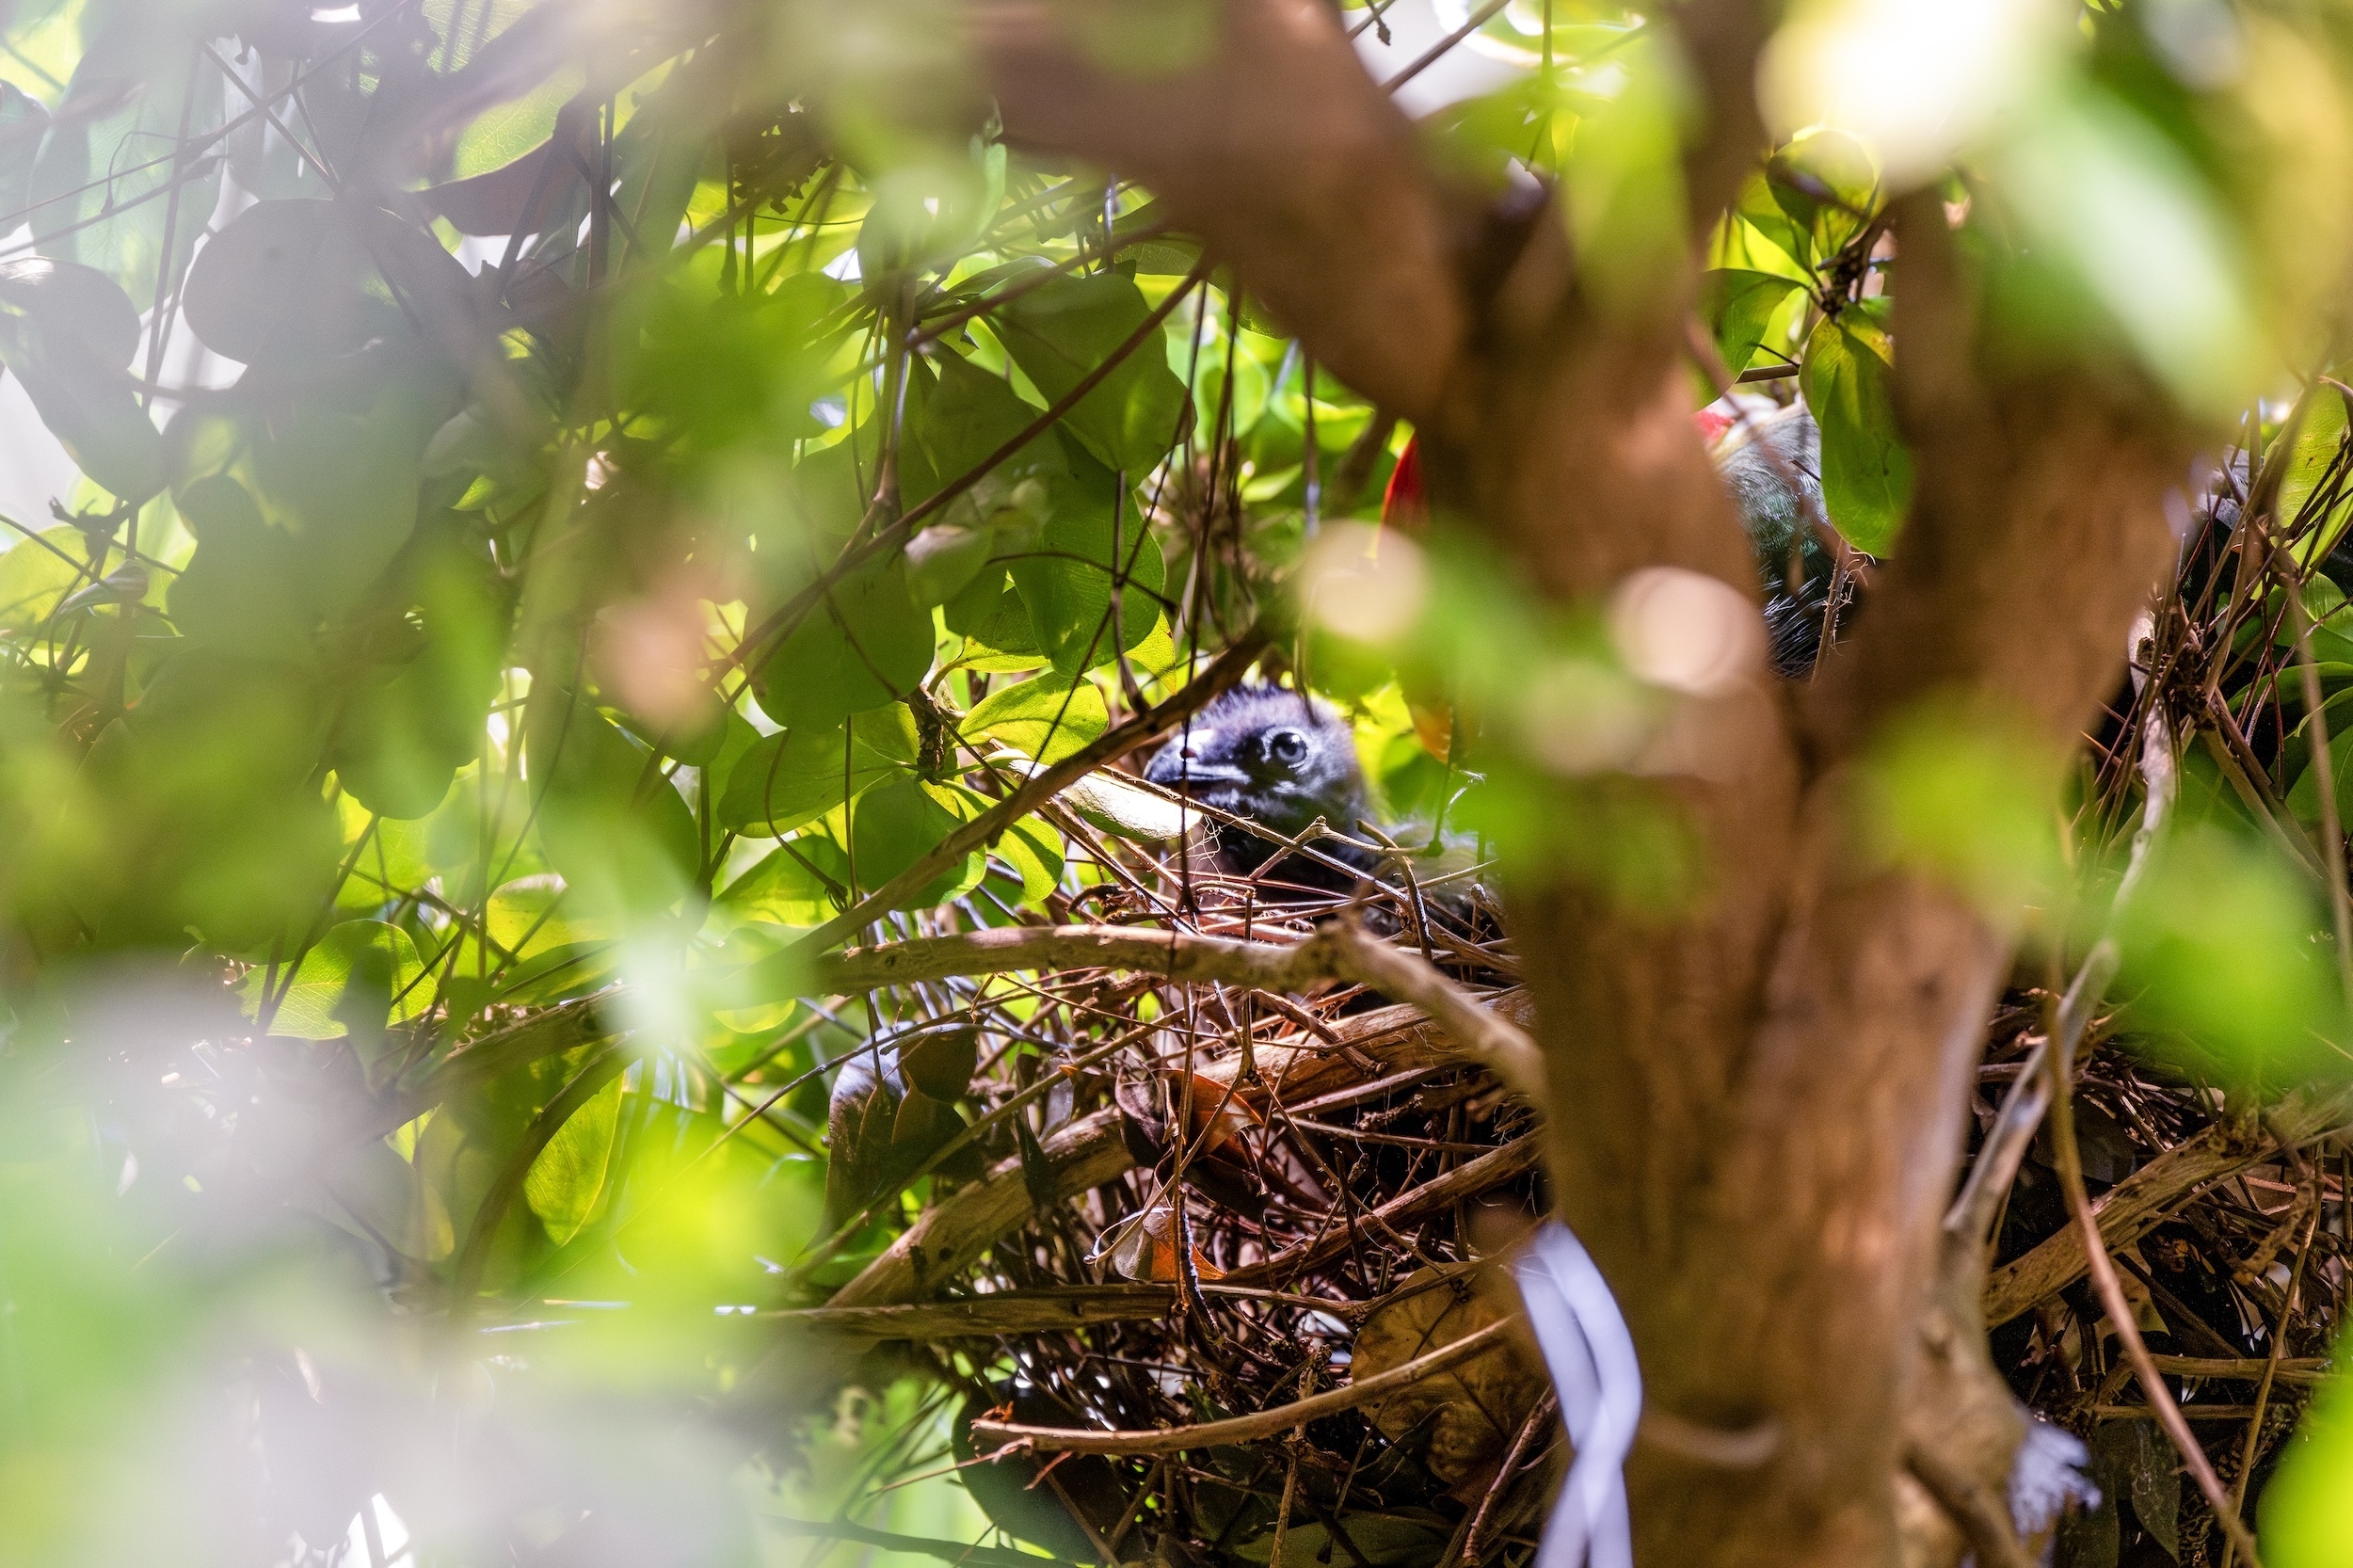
[1194, 774]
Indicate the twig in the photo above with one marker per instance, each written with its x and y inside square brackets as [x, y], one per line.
[1264, 1423]
[1339, 950]
[1041, 787]
[1982, 1518]
[2120, 1310]
[2270, 1374]
[2323, 769]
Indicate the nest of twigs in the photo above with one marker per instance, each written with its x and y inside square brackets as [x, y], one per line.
[1191, 1205]
[1209, 1203]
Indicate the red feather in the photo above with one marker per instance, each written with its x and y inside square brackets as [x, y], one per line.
[1404, 506]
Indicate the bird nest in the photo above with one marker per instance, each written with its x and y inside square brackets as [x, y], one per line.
[1182, 1208]
[1202, 1223]
[1195, 1221]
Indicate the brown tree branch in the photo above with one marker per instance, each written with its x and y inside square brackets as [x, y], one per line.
[2037, 527]
[1278, 150]
[2144, 1200]
[1265, 1423]
[1338, 952]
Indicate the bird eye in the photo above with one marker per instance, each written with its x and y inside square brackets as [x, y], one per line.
[1287, 745]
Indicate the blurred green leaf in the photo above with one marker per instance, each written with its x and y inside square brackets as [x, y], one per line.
[215, 821]
[2307, 1510]
[67, 331]
[22, 122]
[242, 591]
[406, 730]
[568, 1177]
[287, 281]
[345, 490]
[2121, 239]
[863, 643]
[1867, 470]
[613, 824]
[1060, 333]
[357, 969]
[2218, 939]
[37, 573]
[1953, 797]
[103, 185]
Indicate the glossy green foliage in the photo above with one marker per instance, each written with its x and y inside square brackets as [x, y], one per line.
[1866, 472]
[615, 487]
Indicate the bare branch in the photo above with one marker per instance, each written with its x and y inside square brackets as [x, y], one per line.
[2144, 1200]
[1982, 1515]
[1264, 1423]
[1338, 951]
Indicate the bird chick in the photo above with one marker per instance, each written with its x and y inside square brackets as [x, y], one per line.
[1278, 758]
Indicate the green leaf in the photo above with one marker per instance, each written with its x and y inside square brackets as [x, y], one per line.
[1066, 584]
[1738, 307]
[659, 156]
[957, 415]
[73, 304]
[1034, 849]
[2318, 442]
[345, 488]
[989, 614]
[67, 331]
[1048, 717]
[1826, 182]
[897, 825]
[530, 917]
[214, 814]
[244, 590]
[1867, 470]
[363, 971]
[287, 281]
[2307, 1510]
[1758, 208]
[37, 573]
[505, 132]
[1060, 333]
[566, 1179]
[406, 730]
[101, 193]
[733, 368]
[23, 121]
[613, 826]
[863, 644]
[799, 775]
[793, 885]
